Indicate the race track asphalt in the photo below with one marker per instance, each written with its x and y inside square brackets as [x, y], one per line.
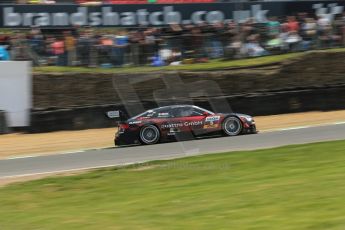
[11, 168]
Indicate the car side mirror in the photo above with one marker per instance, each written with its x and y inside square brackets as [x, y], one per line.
[205, 114]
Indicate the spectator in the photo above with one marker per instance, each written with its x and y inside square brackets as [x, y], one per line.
[105, 46]
[165, 53]
[135, 38]
[20, 47]
[292, 24]
[58, 49]
[70, 43]
[216, 46]
[198, 44]
[149, 44]
[309, 33]
[324, 31]
[51, 58]
[4, 55]
[234, 49]
[338, 31]
[174, 37]
[273, 26]
[293, 41]
[84, 44]
[36, 41]
[309, 29]
[119, 48]
[252, 48]
[275, 45]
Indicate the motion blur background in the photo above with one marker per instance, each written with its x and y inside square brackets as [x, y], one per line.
[97, 41]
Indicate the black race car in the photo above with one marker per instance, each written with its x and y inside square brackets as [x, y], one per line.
[180, 122]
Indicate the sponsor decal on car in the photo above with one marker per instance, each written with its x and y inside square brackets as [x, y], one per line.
[182, 124]
[212, 118]
[211, 122]
[172, 125]
[173, 131]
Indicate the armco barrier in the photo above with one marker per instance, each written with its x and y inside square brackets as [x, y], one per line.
[70, 119]
[3, 123]
[265, 103]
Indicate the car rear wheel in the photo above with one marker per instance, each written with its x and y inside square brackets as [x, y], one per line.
[149, 135]
[232, 126]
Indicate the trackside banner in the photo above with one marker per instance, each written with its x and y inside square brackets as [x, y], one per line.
[53, 16]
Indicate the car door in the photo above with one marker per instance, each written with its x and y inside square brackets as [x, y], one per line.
[191, 120]
[204, 121]
[167, 122]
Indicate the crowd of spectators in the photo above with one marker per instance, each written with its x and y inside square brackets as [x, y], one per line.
[176, 44]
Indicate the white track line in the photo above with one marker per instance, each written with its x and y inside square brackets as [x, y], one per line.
[297, 127]
[303, 127]
[339, 123]
[53, 153]
[67, 170]
[31, 156]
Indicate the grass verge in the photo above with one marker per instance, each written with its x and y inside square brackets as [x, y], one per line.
[293, 187]
[212, 65]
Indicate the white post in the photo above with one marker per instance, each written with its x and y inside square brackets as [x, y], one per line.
[16, 92]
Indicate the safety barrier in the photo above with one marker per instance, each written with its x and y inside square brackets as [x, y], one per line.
[264, 103]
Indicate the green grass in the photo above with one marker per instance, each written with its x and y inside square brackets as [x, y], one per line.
[294, 187]
[212, 65]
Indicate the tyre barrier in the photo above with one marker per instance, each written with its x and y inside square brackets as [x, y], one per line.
[3, 123]
[258, 104]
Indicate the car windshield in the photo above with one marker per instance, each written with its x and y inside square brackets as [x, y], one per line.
[198, 109]
[147, 113]
[163, 112]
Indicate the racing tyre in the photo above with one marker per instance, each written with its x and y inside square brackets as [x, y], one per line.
[149, 135]
[232, 126]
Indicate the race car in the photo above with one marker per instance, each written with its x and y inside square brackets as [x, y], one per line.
[180, 122]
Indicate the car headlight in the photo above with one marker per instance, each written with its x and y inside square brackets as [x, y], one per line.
[248, 118]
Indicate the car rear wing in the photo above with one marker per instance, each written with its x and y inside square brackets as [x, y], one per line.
[114, 114]
[117, 115]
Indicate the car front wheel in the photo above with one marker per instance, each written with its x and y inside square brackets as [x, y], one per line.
[232, 126]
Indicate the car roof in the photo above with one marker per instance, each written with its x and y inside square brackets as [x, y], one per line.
[169, 107]
[174, 106]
